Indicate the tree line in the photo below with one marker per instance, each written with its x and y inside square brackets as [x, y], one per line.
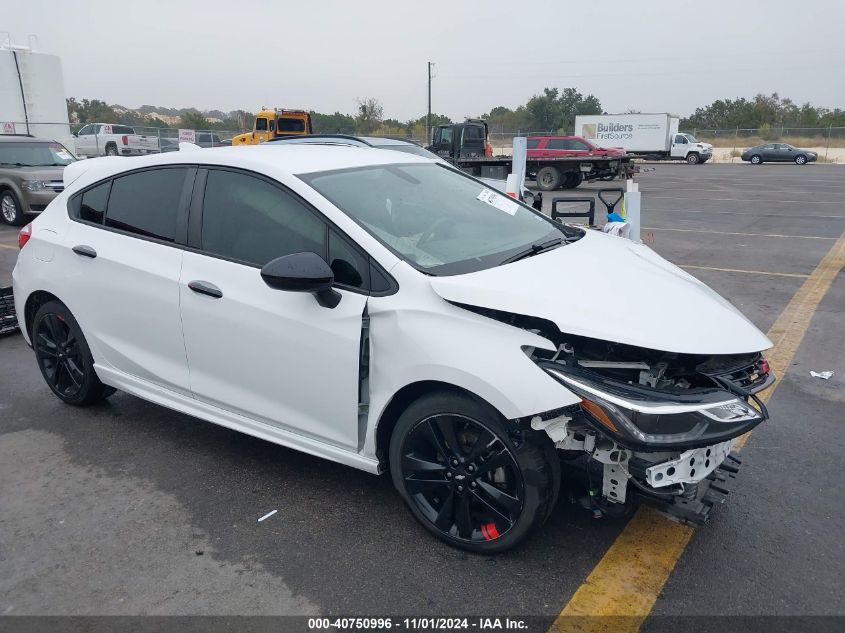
[553, 112]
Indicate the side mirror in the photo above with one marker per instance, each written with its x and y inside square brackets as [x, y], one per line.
[75, 135]
[302, 272]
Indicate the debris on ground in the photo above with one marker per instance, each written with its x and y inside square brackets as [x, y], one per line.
[267, 516]
[827, 375]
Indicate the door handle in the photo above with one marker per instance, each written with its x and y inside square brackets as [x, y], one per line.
[85, 251]
[205, 288]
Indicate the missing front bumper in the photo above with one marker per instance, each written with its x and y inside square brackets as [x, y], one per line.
[698, 501]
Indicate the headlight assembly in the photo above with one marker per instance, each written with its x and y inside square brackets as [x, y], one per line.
[33, 185]
[641, 417]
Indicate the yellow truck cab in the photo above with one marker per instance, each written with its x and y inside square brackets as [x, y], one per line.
[271, 124]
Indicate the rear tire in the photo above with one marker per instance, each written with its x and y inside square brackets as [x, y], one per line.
[111, 149]
[64, 357]
[756, 160]
[465, 477]
[800, 159]
[548, 178]
[693, 158]
[11, 211]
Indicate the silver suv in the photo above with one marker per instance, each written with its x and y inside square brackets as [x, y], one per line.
[30, 175]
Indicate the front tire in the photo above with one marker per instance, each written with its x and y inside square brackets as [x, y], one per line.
[11, 211]
[756, 160]
[800, 159]
[465, 477]
[693, 159]
[64, 357]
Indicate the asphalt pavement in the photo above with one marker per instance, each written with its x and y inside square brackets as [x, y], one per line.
[129, 508]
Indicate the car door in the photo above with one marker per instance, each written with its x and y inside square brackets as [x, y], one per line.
[85, 140]
[556, 148]
[579, 148]
[787, 152]
[272, 355]
[124, 251]
[769, 152]
[679, 146]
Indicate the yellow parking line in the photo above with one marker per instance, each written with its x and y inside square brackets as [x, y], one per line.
[14, 247]
[631, 574]
[741, 270]
[801, 237]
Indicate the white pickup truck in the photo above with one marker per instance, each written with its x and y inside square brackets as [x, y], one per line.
[107, 139]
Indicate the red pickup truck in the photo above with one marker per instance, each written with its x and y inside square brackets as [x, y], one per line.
[556, 146]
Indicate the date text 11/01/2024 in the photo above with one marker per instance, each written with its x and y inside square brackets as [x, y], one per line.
[415, 624]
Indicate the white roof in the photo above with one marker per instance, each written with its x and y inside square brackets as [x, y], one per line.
[270, 159]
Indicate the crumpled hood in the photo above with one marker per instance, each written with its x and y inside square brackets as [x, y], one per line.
[611, 289]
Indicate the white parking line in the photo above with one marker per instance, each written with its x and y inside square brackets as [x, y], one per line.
[803, 237]
[741, 270]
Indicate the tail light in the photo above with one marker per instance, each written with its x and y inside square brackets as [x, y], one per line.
[24, 235]
[125, 139]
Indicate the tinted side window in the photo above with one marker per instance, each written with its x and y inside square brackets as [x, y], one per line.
[250, 220]
[147, 202]
[291, 125]
[533, 143]
[558, 143]
[473, 133]
[122, 129]
[261, 124]
[581, 146]
[680, 140]
[91, 206]
[349, 266]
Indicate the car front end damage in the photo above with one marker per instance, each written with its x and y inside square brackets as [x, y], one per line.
[652, 426]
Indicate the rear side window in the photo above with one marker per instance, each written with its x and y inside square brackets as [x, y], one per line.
[473, 133]
[122, 129]
[249, 220]
[533, 143]
[147, 203]
[291, 125]
[558, 143]
[92, 206]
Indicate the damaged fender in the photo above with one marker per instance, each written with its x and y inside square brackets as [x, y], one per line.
[413, 343]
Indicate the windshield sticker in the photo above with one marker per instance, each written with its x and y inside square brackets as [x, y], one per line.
[494, 199]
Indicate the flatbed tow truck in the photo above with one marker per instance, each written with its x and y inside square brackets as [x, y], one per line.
[465, 145]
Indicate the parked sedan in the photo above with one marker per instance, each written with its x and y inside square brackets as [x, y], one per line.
[778, 153]
[393, 314]
[30, 175]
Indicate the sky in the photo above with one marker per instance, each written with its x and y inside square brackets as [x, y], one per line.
[650, 56]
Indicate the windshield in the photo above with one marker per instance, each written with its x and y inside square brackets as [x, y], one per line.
[437, 219]
[691, 138]
[29, 154]
[416, 150]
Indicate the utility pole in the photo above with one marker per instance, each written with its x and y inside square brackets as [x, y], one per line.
[428, 113]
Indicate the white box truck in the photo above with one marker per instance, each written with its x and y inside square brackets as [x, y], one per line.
[653, 136]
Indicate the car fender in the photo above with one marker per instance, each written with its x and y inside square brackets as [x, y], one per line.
[448, 344]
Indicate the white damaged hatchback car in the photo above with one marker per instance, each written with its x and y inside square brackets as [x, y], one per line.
[390, 313]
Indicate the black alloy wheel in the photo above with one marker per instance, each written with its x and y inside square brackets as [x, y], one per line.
[64, 357]
[462, 478]
[59, 356]
[466, 478]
